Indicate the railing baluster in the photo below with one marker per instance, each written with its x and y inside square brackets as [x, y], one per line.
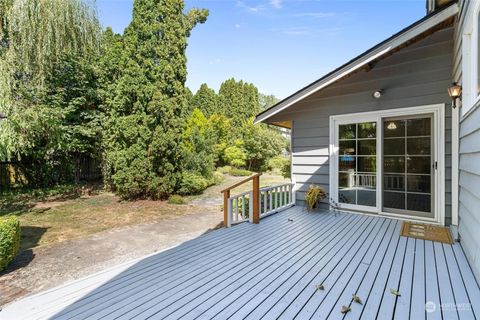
[279, 197]
[289, 193]
[238, 208]
[271, 200]
[243, 207]
[265, 201]
[256, 199]
[276, 197]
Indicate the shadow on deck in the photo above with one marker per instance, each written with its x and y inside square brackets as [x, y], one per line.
[293, 264]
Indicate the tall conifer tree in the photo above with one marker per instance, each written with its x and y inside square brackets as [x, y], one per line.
[143, 144]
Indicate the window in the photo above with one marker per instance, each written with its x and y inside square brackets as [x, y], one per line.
[357, 178]
[471, 59]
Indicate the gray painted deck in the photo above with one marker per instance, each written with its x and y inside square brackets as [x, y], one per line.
[271, 271]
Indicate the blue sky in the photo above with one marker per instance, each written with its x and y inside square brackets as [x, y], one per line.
[279, 45]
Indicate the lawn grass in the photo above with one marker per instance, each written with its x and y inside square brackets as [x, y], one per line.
[52, 215]
[48, 217]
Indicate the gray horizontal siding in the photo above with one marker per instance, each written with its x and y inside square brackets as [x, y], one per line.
[469, 159]
[469, 193]
[416, 75]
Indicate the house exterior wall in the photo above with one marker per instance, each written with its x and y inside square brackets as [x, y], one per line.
[416, 75]
[469, 160]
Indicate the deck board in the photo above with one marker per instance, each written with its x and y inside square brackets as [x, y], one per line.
[418, 285]
[271, 270]
[447, 296]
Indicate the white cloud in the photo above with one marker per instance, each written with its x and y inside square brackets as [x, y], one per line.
[252, 9]
[237, 26]
[260, 7]
[277, 4]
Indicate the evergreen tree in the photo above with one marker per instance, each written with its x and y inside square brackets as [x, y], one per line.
[143, 145]
[267, 101]
[205, 100]
[238, 101]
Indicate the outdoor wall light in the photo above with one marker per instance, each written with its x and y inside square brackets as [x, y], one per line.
[378, 94]
[392, 126]
[455, 91]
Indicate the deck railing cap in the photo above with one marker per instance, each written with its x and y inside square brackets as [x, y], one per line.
[242, 182]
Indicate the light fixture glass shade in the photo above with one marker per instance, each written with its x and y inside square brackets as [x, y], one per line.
[455, 91]
[377, 94]
[392, 126]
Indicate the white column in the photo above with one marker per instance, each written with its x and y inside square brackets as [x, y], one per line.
[455, 166]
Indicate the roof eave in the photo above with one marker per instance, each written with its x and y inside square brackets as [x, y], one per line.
[368, 56]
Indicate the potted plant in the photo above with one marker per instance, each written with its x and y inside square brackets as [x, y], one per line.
[314, 195]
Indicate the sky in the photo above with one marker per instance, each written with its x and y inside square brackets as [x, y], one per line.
[278, 45]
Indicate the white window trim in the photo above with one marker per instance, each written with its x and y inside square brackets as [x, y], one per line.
[470, 57]
[438, 111]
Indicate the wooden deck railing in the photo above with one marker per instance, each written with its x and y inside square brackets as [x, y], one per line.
[276, 198]
[254, 217]
[257, 203]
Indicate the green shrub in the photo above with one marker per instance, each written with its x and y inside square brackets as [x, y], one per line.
[276, 164]
[193, 183]
[9, 240]
[218, 178]
[235, 155]
[225, 169]
[287, 169]
[176, 199]
[240, 172]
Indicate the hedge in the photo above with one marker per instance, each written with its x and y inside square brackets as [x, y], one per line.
[9, 240]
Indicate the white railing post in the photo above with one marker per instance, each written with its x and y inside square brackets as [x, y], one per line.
[230, 213]
[250, 207]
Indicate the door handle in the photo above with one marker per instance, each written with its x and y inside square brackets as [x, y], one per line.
[435, 165]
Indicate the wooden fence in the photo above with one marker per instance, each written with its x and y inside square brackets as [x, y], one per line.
[86, 170]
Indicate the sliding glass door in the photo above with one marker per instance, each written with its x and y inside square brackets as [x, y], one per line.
[407, 166]
[385, 162]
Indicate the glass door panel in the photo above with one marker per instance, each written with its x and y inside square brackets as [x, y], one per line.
[407, 166]
[357, 164]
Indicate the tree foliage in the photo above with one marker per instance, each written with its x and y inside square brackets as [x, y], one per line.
[238, 101]
[149, 93]
[261, 144]
[72, 92]
[46, 83]
[205, 100]
[267, 100]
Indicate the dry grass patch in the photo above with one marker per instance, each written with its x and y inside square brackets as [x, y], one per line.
[51, 220]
